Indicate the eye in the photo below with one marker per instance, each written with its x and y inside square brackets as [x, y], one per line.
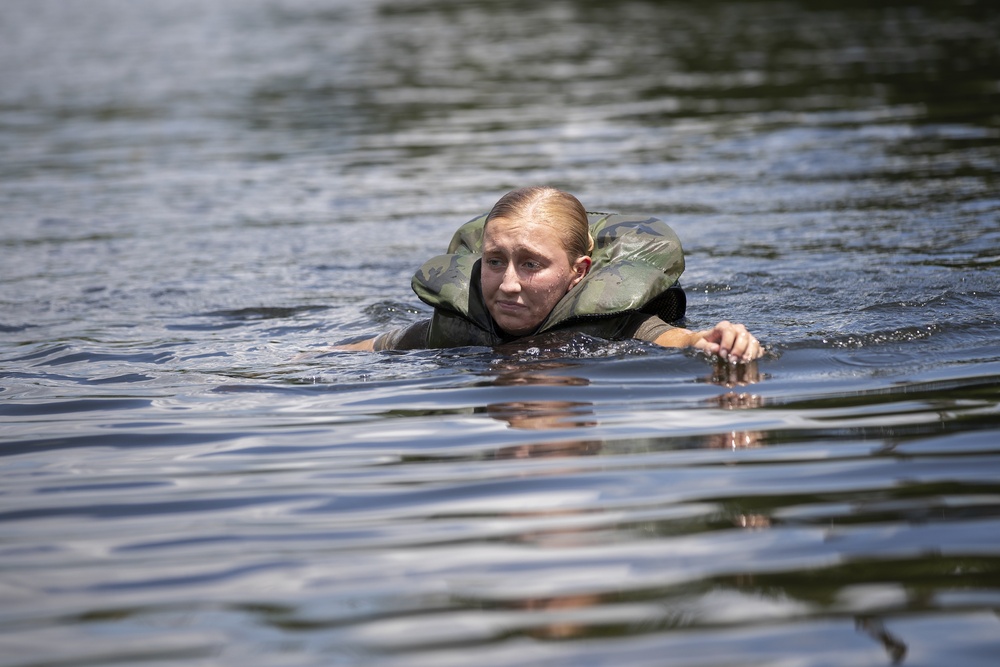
[532, 265]
[493, 262]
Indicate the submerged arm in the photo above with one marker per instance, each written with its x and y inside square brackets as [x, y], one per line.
[367, 345]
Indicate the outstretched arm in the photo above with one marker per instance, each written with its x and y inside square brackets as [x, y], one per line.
[729, 341]
[413, 337]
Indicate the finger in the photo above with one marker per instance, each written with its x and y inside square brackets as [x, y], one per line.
[713, 335]
[730, 340]
[741, 341]
[707, 346]
[754, 351]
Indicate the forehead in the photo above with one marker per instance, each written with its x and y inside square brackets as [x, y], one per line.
[527, 233]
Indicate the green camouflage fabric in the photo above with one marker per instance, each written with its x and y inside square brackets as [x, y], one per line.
[636, 263]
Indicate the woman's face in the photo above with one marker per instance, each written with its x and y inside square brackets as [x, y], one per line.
[525, 272]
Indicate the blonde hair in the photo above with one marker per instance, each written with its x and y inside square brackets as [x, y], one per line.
[559, 209]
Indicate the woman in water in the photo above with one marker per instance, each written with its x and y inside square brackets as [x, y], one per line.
[535, 275]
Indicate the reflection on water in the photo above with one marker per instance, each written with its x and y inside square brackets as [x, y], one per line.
[197, 199]
[543, 414]
[561, 414]
[565, 616]
[876, 629]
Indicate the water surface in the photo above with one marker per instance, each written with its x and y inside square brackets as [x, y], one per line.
[196, 199]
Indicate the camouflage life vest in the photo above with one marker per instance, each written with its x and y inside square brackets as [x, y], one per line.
[636, 262]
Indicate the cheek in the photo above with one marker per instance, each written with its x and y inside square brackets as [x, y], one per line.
[551, 289]
[489, 281]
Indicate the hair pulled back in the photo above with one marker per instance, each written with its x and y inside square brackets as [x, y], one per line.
[559, 209]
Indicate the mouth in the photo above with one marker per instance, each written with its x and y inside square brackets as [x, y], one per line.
[509, 306]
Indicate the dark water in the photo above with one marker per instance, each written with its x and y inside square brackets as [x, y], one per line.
[196, 198]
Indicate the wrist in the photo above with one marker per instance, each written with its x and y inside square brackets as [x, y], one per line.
[678, 337]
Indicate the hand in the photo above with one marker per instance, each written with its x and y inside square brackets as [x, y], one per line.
[730, 341]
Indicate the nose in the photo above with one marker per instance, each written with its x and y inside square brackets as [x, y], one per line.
[510, 283]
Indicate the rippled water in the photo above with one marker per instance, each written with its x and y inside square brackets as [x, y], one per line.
[197, 198]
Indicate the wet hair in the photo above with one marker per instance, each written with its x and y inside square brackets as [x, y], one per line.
[559, 209]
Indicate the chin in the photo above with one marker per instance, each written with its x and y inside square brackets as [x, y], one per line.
[516, 328]
[515, 331]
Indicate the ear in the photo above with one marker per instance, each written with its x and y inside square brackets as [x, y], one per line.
[580, 267]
